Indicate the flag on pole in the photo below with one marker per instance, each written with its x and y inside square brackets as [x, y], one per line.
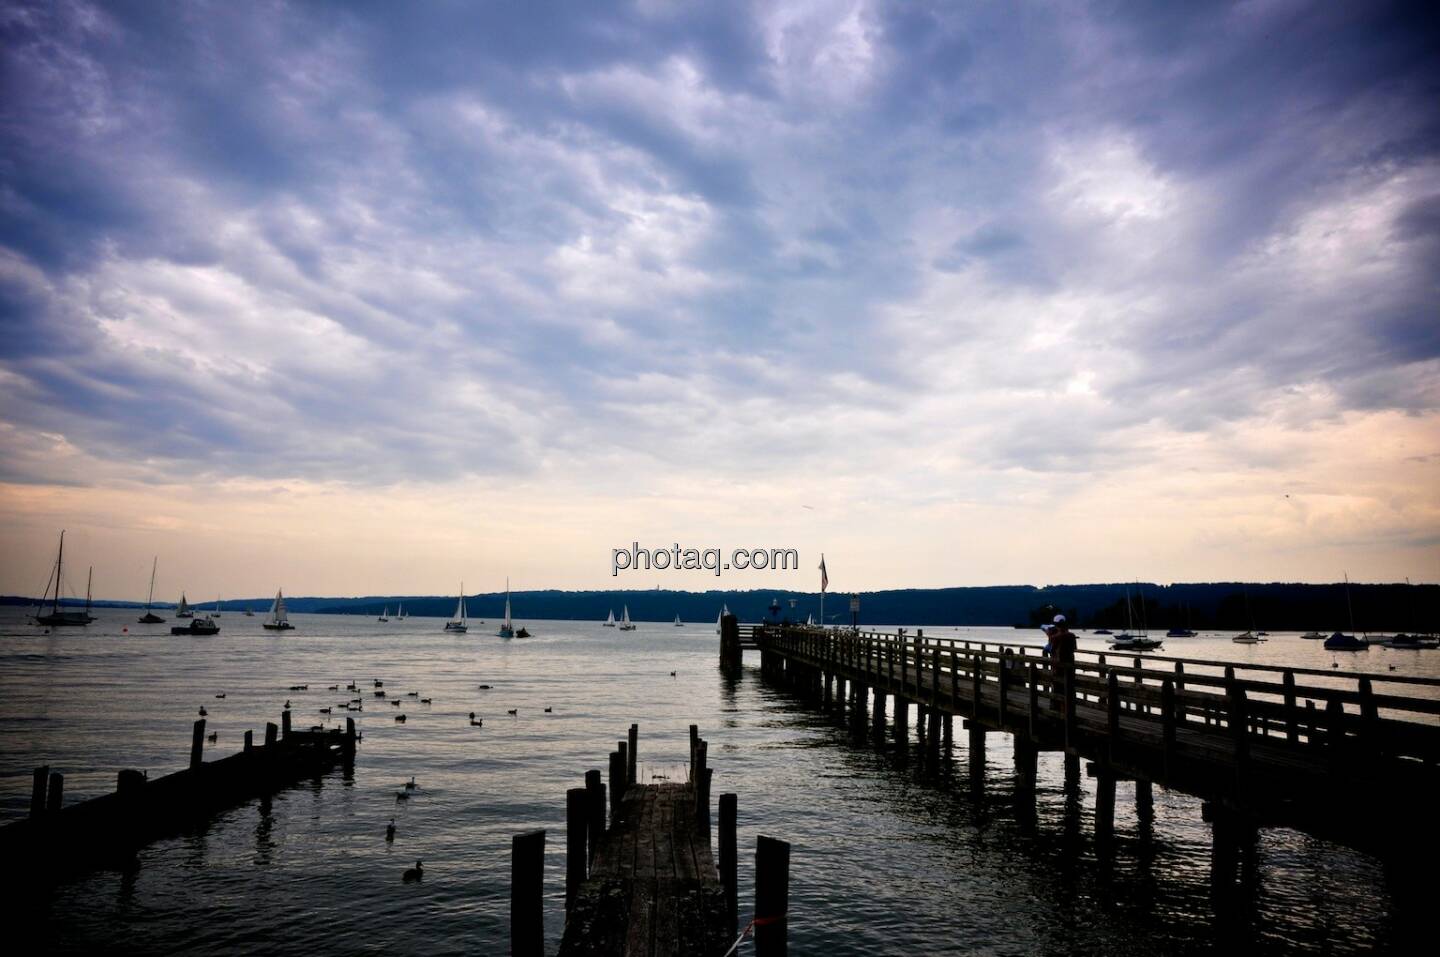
[824, 578]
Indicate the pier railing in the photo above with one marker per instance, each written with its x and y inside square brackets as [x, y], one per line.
[1279, 743]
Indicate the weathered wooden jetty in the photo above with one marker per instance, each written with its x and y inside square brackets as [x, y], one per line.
[59, 839]
[641, 878]
[1346, 756]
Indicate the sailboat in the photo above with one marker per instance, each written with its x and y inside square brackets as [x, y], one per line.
[216, 613]
[385, 614]
[507, 628]
[678, 622]
[457, 623]
[1248, 637]
[724, 610]
[55, 615]
[248, 612]
[182, 610]
[400, 612]
[150, 618]
[1341, 641]
[625, 623]
[1178, 632]
[610, 622]
[1132, 642]
[810, 620]
[279, 619]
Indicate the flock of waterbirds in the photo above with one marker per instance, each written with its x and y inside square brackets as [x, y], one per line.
[356, 703]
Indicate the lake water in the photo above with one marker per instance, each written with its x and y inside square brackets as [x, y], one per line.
[888, 856]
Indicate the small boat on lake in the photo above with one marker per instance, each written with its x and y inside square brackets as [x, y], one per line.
[1411, 642]
[248, 612]
[150, 618]
[400, 612]
[1103, 631]
[197, 626]
[678, 622]
[724, 610]
[384, 614]
[610, 622]
[1343, 642]
[279, 618]
[457, 624]
[183, 610]
[1135, 643]
[507, 628]
[1312, 636]
[216, 612]
[1247, 638]
[625, 623]
[1179, 633]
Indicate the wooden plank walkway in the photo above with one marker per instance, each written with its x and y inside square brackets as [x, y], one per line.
[1264, 745]
[653, 887]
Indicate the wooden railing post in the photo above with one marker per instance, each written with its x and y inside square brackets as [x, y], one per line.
[39, 781]
[577, 824]
[1292, 726]
[595, 811]
[632, 743]
[197, 743]
[729, 872]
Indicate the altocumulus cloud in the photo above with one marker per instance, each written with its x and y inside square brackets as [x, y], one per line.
[385, 242]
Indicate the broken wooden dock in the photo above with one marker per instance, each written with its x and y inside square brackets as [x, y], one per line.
[57, 840]
[647, 884]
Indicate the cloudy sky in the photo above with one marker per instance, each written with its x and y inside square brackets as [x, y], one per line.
[368, 298]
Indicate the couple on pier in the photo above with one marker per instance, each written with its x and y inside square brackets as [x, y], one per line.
[1061, 649]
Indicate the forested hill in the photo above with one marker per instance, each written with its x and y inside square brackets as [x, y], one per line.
[1226, 605]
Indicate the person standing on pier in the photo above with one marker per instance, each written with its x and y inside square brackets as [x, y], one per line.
[1062, 656]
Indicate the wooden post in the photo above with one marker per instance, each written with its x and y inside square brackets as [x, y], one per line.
[527, 894]
[347, 747]
[595, 803]
[729, 872]
[1292, 724]
[56, 794]
[249, 741]
[1003, 679]
[702, 764]
[1033, 718]
[630, 759]
[617, 784]
[197, 743]
[902, 719]
[577, 823]
[271, 733]
[694, 743]
[285, 723]
[38, 783]
[1167, 722]
[1112, 708]
[1369, 719]
[623, 747]
[772, 896]
[1104, 803]
[731, 654]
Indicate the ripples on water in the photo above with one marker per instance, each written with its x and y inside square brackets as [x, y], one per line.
[888, 856]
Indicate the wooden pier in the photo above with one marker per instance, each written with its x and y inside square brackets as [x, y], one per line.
[58, 839]
[646, 883]
[1345, 756]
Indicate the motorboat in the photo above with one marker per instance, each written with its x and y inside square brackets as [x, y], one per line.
[197, 626]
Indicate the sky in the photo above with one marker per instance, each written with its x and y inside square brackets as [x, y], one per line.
[373, 298]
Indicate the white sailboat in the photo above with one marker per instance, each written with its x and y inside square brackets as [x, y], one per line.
[458, 622]
[216, 613]
[279, 618]
[678, 622]
[724, 610]
[400, 612]
[625, 623]
[182, 610]
[507, 627]
[610, 622]
[384, 614]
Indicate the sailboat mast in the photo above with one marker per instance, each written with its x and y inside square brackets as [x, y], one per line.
[151, 597]
[59, 565]
[89, 577]
[1348, 603]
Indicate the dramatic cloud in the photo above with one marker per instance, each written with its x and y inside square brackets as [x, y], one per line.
[678, 267]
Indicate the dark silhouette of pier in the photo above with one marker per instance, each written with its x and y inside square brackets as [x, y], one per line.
[1346, 756]
[59, 839]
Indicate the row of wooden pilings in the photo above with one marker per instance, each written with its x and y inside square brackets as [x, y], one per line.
[587, 810]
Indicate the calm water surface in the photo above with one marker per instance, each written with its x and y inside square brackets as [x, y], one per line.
[889, 857]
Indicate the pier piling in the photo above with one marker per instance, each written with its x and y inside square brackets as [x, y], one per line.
[577, 823]
[772, 896]
[197, 743]
[55, 795]
[527, 894]
[38, 784]
[729, 871]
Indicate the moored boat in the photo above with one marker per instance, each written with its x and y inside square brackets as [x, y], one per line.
[183, 609]
[625, 623]
[55, 617]
[1343, 642]
[609, 622]
[150, 618]
[197, 626]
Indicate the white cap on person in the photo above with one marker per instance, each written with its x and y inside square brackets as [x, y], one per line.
[1059, 619]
